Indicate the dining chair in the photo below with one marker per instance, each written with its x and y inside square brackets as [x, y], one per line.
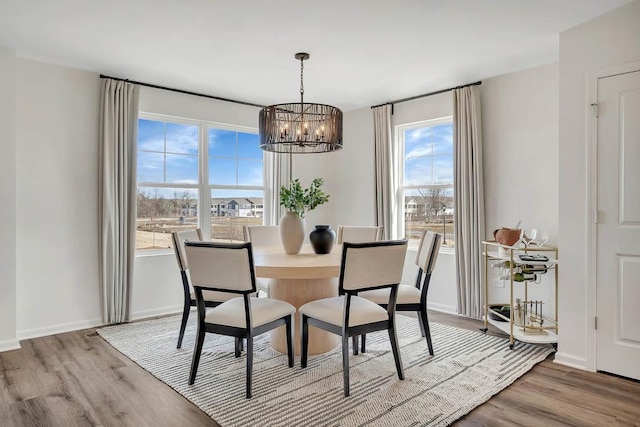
[211, 299]
[358, 234]
[229, 268]
[364, 266]
[261, 236]
[413, 297]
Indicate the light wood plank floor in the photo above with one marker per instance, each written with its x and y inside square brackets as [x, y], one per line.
[77, 379]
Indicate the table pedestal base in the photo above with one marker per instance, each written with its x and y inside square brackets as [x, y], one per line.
[298, 292]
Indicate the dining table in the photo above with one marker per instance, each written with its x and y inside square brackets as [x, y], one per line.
[298, 279]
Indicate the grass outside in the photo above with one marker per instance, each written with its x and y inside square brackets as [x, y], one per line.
[414, 230]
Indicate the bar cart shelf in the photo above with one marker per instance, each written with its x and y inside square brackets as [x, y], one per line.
[525, 321]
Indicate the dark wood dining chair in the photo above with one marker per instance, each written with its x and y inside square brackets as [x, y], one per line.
[413, 297]
[229, 268]
[364, 266]
[211, 299]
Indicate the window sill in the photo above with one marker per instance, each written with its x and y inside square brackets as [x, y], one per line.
[153, 252]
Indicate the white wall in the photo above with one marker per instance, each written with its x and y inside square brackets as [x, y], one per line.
[57, 190]
[520, 137]
[7, 200]
[609, 40]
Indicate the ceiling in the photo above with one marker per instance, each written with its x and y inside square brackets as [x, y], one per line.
[363, 52]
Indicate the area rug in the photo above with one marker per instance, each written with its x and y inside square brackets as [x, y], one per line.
[467, 369]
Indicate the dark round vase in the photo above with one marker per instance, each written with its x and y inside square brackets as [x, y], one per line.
[322, 239]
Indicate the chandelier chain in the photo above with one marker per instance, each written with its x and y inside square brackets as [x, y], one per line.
[301, 80]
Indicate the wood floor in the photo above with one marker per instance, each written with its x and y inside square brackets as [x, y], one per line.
[77, 379]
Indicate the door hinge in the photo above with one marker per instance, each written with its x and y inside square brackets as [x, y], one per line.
[595, 109]
[595, 323]
[596, 216]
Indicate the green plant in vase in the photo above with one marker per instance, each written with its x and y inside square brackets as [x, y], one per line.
[298, 201]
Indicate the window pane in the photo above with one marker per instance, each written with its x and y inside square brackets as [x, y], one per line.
[232, 209]
[250, 172]
[162, 211]
[222, 171]
[443, 139]
[150, 135]
[429, 209]
[443, 169]
[418, 170]
[150, 167]
[222, 143]
[249, 146]
[182, 169]
[182, 138]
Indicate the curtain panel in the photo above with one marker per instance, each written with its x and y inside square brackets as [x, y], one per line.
[386, 158]
[117, 197]
[277, 173]
[468, 200]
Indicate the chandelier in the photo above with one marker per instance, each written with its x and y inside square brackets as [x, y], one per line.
[298, 127]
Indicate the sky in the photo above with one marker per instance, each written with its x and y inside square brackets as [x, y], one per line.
[168, 153]
[429, 155]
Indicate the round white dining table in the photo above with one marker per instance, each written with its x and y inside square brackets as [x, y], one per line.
[298, 279]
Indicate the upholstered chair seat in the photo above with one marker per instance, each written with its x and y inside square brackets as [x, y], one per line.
[263, 311]
[330, 310]
[407, 294]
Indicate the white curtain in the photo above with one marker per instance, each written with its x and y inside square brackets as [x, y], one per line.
[468, 200]
[117, 198]
[386, 157]
[277, 174]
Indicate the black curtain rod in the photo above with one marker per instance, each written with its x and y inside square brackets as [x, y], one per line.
[438, 92]
[186, 92]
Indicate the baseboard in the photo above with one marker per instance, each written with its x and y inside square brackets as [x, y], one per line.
[145, 314]
[570, 361]
[58, 329]
[9, 345]
[442, 307]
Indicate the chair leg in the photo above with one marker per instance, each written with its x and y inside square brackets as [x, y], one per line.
[354, 343]
[239, 345]
[305, 342]
[197, 351]
[420, 323]
[183, 325]
[345, 364]
[424, 323]
[363, 343]
[396, 350]
[249, 365]
[290, 340]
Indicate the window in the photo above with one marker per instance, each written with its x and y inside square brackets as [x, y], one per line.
[181, 161]
[426, 179]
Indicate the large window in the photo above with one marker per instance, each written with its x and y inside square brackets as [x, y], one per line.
[426, 179]
[196, 174]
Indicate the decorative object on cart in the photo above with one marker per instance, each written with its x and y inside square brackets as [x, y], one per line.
[300, 127]
[322, 239]
[500, 313]
[298, 202]
[507, 236]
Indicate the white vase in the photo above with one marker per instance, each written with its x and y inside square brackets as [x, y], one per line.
[291, 233]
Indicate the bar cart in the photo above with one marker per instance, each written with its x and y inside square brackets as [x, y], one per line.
[521, 318]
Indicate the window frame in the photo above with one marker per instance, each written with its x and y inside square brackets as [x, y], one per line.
[400, 130]
[203, 186]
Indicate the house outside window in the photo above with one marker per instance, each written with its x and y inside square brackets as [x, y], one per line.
[189, 174]
[425, 191]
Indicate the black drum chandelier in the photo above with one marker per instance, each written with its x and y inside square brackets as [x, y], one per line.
[300, 127]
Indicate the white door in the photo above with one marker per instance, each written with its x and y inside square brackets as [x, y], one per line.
[618, 238]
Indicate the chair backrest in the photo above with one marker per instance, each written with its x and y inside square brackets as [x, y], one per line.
[262, 235]
[358, 234]
[179, 238]
[225, 267]
[371, 265]
[428, 251]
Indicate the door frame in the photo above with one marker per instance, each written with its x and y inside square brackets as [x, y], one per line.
[592, 205]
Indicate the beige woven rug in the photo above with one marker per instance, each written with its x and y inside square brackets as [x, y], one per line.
[467, 369]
